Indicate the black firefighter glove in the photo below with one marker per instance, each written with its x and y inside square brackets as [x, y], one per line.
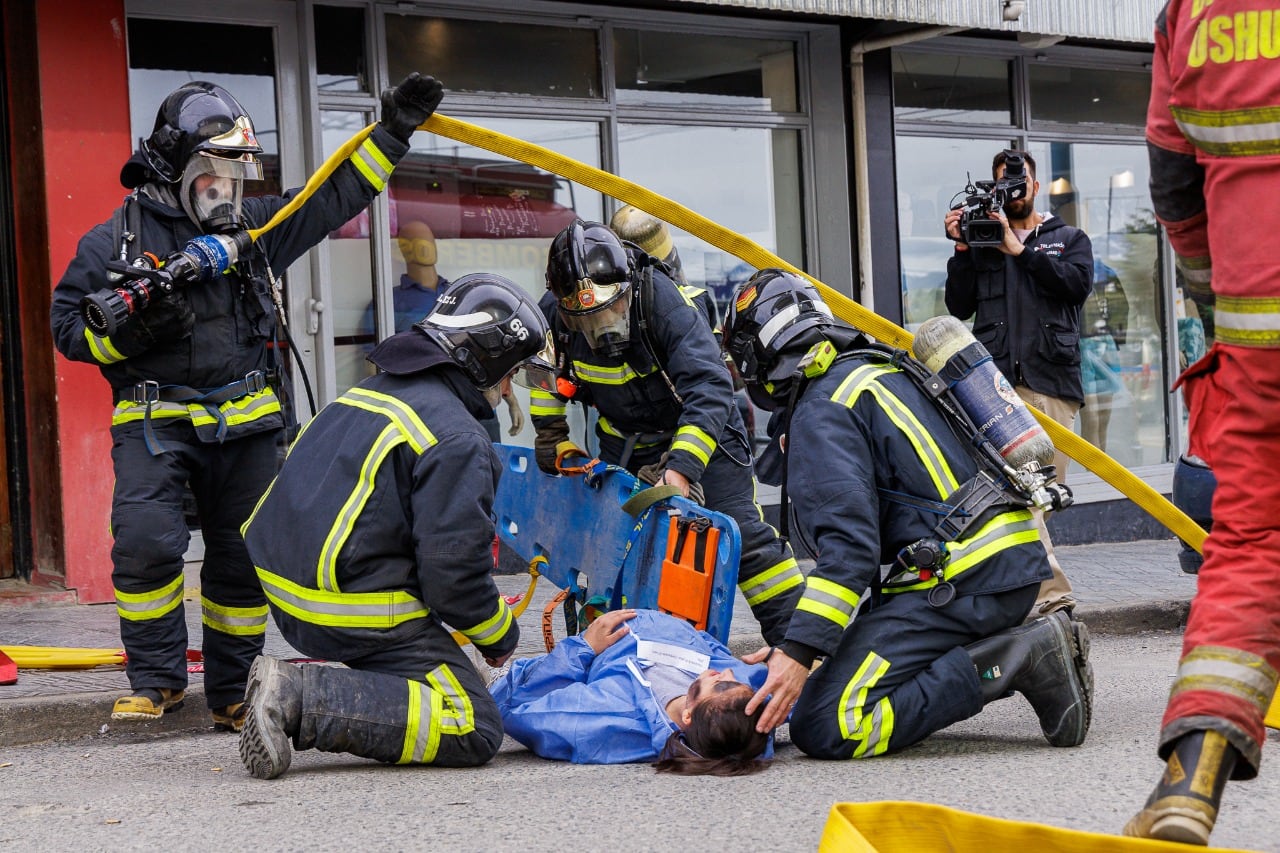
[411, 103]
[546, 442]
[164, 321]
[652, 474]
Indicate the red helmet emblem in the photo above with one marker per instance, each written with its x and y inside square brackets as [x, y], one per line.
[586, 298]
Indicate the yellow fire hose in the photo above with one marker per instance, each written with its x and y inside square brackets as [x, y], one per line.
[735, 244]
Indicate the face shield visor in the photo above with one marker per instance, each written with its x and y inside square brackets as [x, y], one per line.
[538, 371]
[212, 188]
[601, 312]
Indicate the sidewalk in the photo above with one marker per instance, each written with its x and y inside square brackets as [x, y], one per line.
[1121, 588]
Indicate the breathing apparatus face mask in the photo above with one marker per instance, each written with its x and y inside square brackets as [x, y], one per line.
[212, 188]
[602, 313]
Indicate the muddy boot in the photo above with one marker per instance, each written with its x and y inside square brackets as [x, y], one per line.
[1047, 661]
[1184, 805]
[274, 699]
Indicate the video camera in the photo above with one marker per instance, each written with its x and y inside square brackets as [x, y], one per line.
[147, 278]
[982, 198]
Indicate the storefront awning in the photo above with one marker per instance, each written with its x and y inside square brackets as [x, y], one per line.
[1114, 20]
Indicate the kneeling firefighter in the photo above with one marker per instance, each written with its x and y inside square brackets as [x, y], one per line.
[633, 346]
[881, 475]
[377, 531]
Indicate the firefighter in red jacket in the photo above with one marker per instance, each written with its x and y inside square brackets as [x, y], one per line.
[1213, 141]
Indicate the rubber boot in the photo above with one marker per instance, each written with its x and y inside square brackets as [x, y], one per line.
[1047, 661]
[149, 703]
[274, 698]
[1184, 805]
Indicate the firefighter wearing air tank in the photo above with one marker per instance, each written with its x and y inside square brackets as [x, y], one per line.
[874, 467]
[378, 532]
[197, 393]
[633, 346]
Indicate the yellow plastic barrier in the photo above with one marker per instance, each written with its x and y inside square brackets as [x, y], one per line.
[897, 827]
[1273, 716]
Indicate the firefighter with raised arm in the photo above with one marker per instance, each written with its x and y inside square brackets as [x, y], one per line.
[198, 392]
[635, 348]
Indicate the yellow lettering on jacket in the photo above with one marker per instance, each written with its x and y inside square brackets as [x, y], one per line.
[1241, 37]
[1198, 6]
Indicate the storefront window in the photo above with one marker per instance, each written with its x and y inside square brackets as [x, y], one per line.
[341, 65]
[1088, 95]
[487, 56]
[689, 70]
[959, 88]
[704, 168]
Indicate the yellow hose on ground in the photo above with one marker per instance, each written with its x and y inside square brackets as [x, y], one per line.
[757, 256]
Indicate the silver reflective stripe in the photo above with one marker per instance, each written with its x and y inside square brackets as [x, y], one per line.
[1221, 669]
[872, 670]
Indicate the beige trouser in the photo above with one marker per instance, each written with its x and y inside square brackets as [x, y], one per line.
[1055, 593]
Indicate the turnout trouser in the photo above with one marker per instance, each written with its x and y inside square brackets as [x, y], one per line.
[419, 701]
[901, 673]
[768, 575]
[1231, 647]
[151, 537]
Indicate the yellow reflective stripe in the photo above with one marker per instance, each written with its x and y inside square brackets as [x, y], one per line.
[544, 403]
[1247, 320]
[875, 730]
[373, 610]
[421, 742]
[373, 164]
[327, 564]
[1221, 669]
[854, 696]
[1007, 530]
[773, 581]
[238, 621]
[103, 351]
[396, 410]
[1231, 132]
[457, 714]
[603, 374]
[493, 629]
[691, 439]
[688, 291]
[141, 606]
[242, 410]
[1197, 270]
[825, 598]
[866, 379]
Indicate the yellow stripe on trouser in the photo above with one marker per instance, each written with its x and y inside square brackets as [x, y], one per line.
[239, 621]
[421, 744]
[1222, 669]
[871, 730]
[140, 606]
[1247, 321]
[457, 714]
[757, 256]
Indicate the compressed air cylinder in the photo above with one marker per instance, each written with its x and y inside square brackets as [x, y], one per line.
[949, 349]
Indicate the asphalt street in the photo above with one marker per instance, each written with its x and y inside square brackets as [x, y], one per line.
[187, 790]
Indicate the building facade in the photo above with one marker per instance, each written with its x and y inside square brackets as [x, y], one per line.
[836, 134]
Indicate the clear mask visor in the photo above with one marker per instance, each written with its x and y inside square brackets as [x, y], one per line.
[605, 328]
[213, 187]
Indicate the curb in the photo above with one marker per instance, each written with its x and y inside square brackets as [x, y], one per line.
[36, 719]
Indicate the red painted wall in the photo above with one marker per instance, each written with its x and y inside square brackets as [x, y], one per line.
[85, 101]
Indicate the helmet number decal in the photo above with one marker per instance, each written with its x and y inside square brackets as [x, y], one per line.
[519, 329]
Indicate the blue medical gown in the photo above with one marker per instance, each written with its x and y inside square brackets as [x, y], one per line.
[574, 705]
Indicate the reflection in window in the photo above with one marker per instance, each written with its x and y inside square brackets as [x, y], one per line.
[703, 168]
[687, 69]
[487, 56]
[939, 87]
[1089, 95]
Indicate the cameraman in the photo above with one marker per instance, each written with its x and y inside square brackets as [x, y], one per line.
[195, 386]
[1027, 294]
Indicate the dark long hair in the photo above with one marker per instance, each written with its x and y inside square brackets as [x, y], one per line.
[721, 740]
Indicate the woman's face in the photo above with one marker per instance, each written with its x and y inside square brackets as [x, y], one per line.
[711, 683]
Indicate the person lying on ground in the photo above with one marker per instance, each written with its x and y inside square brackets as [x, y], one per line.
[638, 685]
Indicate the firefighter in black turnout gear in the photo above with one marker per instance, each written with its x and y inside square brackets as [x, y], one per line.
[197, 389]
[870, 463]
[635, 347]
[377, 532]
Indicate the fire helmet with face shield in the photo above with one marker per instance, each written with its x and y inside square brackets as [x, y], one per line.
[774, 319]
[589, 273]
[203, 142]
[490, 328]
